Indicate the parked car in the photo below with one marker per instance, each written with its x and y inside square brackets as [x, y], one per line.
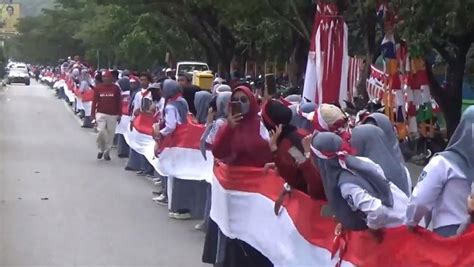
[19, 74]
[190, 67]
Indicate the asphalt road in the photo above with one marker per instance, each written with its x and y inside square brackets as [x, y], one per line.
[59, 206]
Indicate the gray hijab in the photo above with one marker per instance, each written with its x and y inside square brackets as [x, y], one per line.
[222, 103]
[293, 98]
[201, 102]
[172, 89]
[460, 149]
[370, 142]
[358, 172]
[384, 123]
[299, 121]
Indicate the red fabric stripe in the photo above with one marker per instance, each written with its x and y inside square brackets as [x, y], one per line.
[186, 135]
[399, 247]
[143, 123]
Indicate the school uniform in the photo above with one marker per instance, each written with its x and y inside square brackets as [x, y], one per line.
[445, 183]
[357, 191]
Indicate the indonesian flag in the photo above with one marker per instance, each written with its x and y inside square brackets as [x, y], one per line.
[243, 201]
[328, 60]
[180, 155]
[68, 90]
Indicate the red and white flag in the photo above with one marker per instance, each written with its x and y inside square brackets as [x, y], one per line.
[243, 201]
[180, 155]
[328, 60]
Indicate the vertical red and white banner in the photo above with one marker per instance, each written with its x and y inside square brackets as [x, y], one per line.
[328, 59]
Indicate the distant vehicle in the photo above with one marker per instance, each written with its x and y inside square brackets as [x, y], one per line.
[18, 74]
[190, 67]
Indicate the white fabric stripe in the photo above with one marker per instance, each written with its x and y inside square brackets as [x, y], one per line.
[319, 64]
[183, 163]
[311, 78]
[186, 163]
[69, 94]
[321, 121]
[345, 68]
[249, 217]
[124, 125]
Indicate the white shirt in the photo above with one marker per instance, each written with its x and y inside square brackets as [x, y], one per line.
[378, 215]
[443, 190]
[216, 125]
[84, 86]
[172, 118]
[137, 100]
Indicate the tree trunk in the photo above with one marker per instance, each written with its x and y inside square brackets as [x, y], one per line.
[449, 97]
[371, 56]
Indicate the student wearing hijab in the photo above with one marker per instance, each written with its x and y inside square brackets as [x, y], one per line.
[370, 142]
[243, 141]
[140, 102]
[355, 187]
[85, 86]
[189, 197]
[300, 119]
[445, 183]
[330, 118]
[175, 113]
[383, 122]
[201, 102]
[221, 88]
[218, 118]
[289, 154]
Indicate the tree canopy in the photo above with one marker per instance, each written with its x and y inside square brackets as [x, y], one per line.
[137, 34]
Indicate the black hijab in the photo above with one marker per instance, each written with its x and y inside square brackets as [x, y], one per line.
[275, 113]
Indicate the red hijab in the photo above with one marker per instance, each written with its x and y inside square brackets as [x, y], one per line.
[243, 145]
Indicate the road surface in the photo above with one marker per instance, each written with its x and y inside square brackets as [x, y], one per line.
[59, 206]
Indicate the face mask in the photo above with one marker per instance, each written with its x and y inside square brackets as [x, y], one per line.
[245, 107]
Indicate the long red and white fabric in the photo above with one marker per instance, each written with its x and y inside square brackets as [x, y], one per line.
[124, 124]
[69, 89]
[178, 156]
[243, 202]
[328, 59]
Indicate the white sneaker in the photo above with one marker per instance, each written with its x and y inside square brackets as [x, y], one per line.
[179, 216]
[161, 200]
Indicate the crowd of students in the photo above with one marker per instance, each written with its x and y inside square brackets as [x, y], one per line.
[357, 168]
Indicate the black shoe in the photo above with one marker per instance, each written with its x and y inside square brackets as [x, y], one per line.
[100, 155]
[107, 156]
[129, 169]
